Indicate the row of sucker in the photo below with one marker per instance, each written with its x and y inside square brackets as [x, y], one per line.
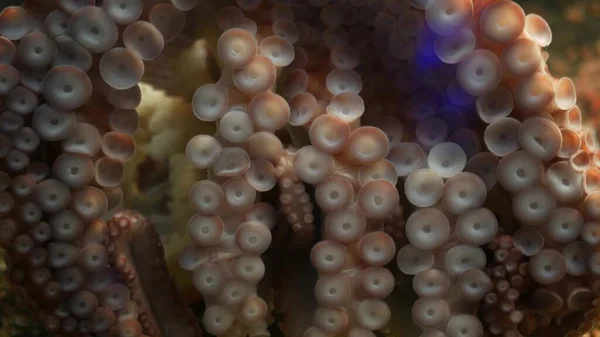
[69, 88]
[232, 227]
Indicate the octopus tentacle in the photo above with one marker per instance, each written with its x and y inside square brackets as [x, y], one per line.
[136, 252]
[451, 98]
[55, 241]
[93, 285]
[231, 230]
[295, 201]
[226, 264]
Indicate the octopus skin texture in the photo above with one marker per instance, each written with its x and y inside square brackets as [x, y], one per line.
[342, 148]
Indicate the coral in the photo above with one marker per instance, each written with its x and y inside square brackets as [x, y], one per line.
[314, 165]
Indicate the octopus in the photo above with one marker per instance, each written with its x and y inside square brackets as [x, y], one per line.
[341, 152]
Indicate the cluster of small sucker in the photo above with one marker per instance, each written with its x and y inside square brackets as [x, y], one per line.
[69, 77]
[446, 101]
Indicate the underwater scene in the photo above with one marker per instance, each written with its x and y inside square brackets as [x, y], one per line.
[299, 168]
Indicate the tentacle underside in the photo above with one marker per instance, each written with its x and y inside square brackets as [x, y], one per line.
[429, 131]
[67, 129]
[136, 251]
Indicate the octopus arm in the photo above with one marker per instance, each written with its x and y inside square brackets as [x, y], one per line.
[137, 252]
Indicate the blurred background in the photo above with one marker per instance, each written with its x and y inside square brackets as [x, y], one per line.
[574, 52]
